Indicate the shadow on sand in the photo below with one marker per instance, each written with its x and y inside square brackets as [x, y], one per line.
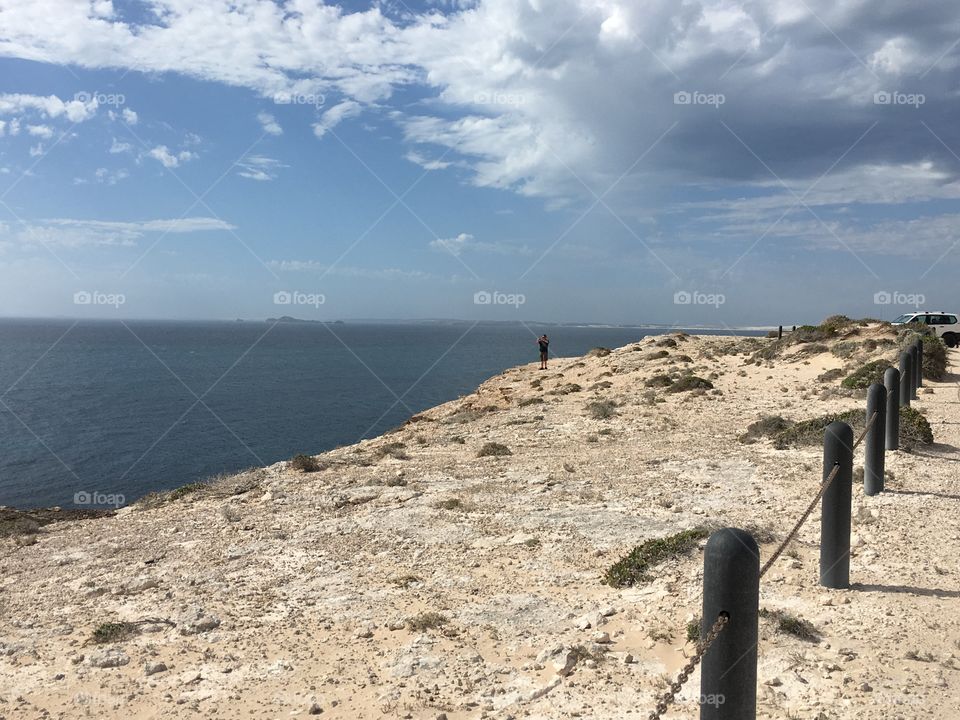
[906, 590]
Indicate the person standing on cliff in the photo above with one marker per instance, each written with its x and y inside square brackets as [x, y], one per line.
[544, 343]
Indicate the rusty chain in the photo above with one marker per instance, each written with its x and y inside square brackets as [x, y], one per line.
[668, 697]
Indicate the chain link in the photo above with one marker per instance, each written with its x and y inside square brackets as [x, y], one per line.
[806, 513]
[668, 697]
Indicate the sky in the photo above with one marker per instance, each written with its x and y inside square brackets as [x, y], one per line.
[668, 161]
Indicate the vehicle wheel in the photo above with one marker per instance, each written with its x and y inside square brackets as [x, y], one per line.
[950, 340]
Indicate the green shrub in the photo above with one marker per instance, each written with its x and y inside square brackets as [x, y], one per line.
[633, 568]
[866, 375]
[566, 389]
[934, 357]
[659, 380]
[184, 490]
[658, 355]
[666, 342]
[602, 409]
[531, 401]
[494, 449]
[599, 352]
[788, 624]
[832, 325]
[394, 449]
[693, 630]
[112, 632]
[690, 382]
[305, 463]
[830, 375]
[847, 348]
[914, 429]
[766, 426]
[426, 621]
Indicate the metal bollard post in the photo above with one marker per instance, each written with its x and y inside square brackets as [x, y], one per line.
[731, 585]
[873, 460]
[891, 381]
[779, 332]
[919, 362]
[915, 352]
[915, 356]
[836, 504]
[906, 370]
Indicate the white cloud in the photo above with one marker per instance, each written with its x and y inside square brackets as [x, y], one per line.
[426, 163]
[259, 167]
[466, 242]
[48, 106]
[314, 267]
[41, 131]
[130, 117]
[118, 147]
[75, 233]
[269, 124]
[335, 115]
[169, 159]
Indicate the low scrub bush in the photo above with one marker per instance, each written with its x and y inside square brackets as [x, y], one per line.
[602, 409]
[494, 449]
[305, 463]
[690, 382]
[634, 567]
[865, 375]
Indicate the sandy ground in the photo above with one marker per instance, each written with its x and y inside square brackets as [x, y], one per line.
[439, 584]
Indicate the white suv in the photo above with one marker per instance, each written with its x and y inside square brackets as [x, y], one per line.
[943, 324]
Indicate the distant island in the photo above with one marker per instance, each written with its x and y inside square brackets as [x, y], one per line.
[288, 319]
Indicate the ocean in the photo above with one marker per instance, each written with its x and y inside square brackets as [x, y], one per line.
[105, 412]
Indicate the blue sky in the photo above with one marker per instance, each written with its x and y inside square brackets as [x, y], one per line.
[722, 163]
